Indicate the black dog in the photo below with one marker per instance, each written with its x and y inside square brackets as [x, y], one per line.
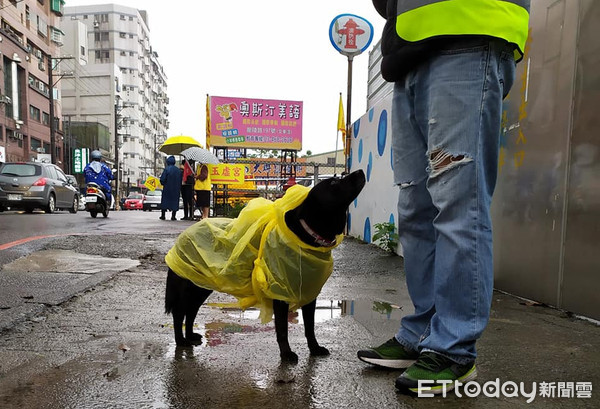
[316, 222]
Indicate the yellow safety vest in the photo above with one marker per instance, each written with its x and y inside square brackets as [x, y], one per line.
[202, 185]
[506, 19]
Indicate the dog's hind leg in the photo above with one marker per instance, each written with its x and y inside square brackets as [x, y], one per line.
[281, 308]
[195, 297]
[308, 316]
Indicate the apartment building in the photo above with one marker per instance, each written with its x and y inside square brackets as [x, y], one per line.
[114, 77]
[30, 38]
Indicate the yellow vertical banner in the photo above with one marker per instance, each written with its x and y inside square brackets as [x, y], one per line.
[207, 121]
[341, 124]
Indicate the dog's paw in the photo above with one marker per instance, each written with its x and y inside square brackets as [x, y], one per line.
[184, 343]
[319, 351]
[289, 356]
[195, 339]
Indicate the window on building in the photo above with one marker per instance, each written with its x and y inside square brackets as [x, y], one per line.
[1, 134]
[130, 18]
[104, 36]
[130, 35]
[34, 113]
[82, 51]
[85, 16]
[122, 17]
[131, 53]
[45, 118]
[104, 18]
[122, 35]
[35, 144]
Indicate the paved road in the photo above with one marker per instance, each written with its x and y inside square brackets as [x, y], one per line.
[17, 227]
[108, 344]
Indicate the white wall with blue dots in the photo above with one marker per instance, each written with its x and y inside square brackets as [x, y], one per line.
[371, 151]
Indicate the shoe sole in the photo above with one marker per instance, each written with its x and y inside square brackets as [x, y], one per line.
[438, 390]
[389, 363]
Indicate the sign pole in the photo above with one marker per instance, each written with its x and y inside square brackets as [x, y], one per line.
[348, 113]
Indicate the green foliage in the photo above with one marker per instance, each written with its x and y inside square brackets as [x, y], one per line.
[386, 235]
[382, 307]
[233, 211]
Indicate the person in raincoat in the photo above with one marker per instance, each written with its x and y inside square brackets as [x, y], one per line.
[98, 172]
[171, 181]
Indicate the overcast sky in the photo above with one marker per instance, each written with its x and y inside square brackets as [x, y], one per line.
[268, 49]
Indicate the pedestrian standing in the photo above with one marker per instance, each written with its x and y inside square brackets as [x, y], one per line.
[452, 63]
[171, 181]
[187, 190]
[203, 187]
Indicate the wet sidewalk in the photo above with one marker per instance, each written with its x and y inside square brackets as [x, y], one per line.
[111, 346]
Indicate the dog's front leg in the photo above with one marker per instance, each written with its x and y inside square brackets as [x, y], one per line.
[308, 316]
[281, 309]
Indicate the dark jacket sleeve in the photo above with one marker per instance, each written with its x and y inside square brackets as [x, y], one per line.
[380, 6]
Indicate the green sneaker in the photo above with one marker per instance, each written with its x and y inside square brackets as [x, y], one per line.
[391, 354]
[432, 372]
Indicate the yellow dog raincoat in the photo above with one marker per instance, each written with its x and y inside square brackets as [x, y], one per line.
[255, 257]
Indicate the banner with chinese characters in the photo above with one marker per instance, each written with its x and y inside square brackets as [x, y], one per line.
[226, 174]
[255, 123]
[81, 158]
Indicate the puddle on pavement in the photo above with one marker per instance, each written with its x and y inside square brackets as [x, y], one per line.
[68, 261]
[219, 332]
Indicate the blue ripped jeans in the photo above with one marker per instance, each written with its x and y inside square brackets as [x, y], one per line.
[446, 119]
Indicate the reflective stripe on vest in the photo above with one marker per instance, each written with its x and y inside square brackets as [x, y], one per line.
[507, 19]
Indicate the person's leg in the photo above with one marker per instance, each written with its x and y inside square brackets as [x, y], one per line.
[162, 214]
[184, 195]
[205, 211]
[460, 95]
[415, 226]
[415, 211]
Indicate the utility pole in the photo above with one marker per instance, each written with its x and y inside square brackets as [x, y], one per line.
[51, 112]
[117, 150]
[51, 85]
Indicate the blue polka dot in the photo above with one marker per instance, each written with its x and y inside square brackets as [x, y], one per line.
[350, 158]
[356, 129]
[371, 114]
[382, 132]
[356, 202]
[392, 219]
[360, 150]
[392, 159]
[369, 166]
[349, 221]
[367, 232]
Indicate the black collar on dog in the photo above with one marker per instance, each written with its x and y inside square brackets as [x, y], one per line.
[318, 239]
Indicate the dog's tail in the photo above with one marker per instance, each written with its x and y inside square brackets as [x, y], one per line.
[170, 292]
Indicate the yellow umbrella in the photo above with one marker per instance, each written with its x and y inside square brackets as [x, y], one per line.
[175, 144]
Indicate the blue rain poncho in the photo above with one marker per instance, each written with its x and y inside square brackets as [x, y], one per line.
[255, 257]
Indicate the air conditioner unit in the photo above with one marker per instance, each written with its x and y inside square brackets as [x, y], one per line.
[41, 65]
[40, 150]
[96, 24]
[18, 135]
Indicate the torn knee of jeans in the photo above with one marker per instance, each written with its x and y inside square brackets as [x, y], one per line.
[441, 161]
[404, 185]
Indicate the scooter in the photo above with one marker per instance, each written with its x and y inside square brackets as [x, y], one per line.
[95, 200]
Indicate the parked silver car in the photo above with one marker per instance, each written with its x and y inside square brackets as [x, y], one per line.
[30, 185]
[152, 200]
